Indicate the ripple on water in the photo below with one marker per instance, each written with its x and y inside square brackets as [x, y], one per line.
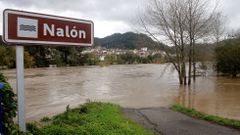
[49, 90]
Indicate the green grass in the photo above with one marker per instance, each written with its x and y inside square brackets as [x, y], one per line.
[45, 119]
[215, 119]
[93, 118]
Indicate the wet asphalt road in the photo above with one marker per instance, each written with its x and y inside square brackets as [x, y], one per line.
[163, 121]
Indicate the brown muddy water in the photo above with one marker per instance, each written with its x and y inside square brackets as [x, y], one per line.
[49, 90]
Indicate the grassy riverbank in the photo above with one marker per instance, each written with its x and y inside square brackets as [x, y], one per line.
[92, 118]
[199, 115]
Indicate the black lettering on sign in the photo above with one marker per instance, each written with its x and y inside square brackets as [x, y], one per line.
[27, 27]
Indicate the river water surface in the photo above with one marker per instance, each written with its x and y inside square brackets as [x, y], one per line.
[49, 90]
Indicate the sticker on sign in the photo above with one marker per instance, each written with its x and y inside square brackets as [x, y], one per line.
[27, 28]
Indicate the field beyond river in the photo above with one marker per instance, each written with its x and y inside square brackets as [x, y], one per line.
[49, 90]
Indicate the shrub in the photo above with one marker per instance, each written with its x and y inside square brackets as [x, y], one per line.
[228, 58]
[83, 109]
[32, 128]
[45, 119]
[9, 104]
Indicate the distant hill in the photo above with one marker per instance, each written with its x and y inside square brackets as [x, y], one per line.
[128, 40]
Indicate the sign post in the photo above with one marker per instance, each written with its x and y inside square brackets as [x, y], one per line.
[20, 87]
[26, 28]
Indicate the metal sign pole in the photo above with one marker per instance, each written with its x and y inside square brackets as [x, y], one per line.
[20, 87]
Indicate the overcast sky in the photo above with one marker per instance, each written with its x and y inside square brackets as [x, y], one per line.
[109, 16]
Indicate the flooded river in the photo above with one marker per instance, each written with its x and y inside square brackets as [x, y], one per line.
[49, 90]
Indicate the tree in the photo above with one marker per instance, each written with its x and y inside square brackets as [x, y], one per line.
[110, 59]
[90, 59]
[228, 57]
[28, 60]
[39, 53]
[180, 23]
[200, 24]
[74, 56]
[65, 51]
[7, 56]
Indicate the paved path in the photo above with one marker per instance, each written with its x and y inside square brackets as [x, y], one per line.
[163, 121]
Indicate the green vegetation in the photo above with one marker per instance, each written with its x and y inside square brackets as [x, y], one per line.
[7, 57]
[9, 104]
[40, 56]
[93, 118]
[43, 56]
[130, 58]
[211, 118]
[129, 40]
[45, 119]
[90, 59]
[228, 57]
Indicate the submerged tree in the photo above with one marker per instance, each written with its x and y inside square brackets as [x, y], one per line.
[181, 23]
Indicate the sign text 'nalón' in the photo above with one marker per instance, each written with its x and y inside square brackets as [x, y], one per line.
[63, 32]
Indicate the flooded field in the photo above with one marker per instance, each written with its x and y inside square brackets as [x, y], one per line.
[49, 90]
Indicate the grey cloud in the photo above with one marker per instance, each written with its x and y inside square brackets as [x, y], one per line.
[110, 16]
[230, 8]
[124, 11]
[100, 9]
